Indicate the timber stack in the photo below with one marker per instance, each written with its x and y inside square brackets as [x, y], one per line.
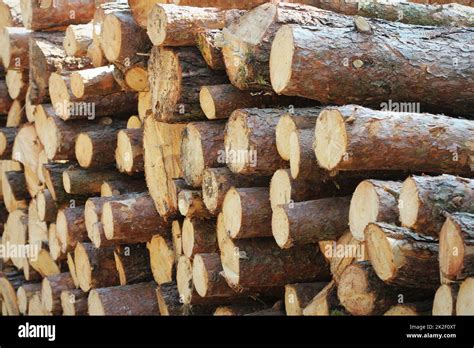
[236, 157]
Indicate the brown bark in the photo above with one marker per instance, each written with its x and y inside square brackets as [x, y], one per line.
[191, 204]
[122, 300]
[78, 38]
[46, 206]
[71, 228]
[78, 181]
[96, 81]
[298, 296]
[5, 100]
[202, 146]
[424, 200]
[462, 2]
[198, 236]
[209, 42]
[402, 257]
[162, 259]
[217, 181]
[53, 174]
[129, 152]
[298, 50]
[247, 212]
[303, 161]
[24, 294]
[176, 76]
[324, 303]
[123, 186]
[15, 193]
[310, 222]
[171, 304]
[74, 302]
[10, 14]
[7, 137]
[132, 219]
[369, 140]
[15, 54]
[51, 288]
[133, 263]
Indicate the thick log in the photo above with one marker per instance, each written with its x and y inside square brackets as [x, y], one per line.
[207, 277]
[303, 161]
[53, 174]
[372, 201]
[7, 137]
[10, 14]
[191, 204]
[15, 192]
[17, 83]
[44, 264]
[456, 247]
[424, 200]
[464, 301]
[46, 206]
[298, 296]
[202, 146]
[129, 151]
[247, 212]
[444, 302]
[71, 228]
[95, 268]
[310, 222]
[95, 54]
[342, 253]
[15, 41]
[132, 219]
[297, 50]
[209, 42]
[162, 259]
[24, 294]
[77, 40]
[365, 139]
[123, 186]
[170, 302]
[176, 76]
[217, 181]
[122, 300]
[361, 292]
[198, 236]
[402, 257]
[78, 181]
[74, 302]
[247, 41]
[133, 263]
[92, 218]
[96, 81]
[51, 288]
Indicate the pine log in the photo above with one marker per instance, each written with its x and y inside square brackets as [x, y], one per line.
[53, 174]
[24, 294]
[92, 217]
[97, 148]
[133, 263]
[324, 303]
[444, 302]
[297, 50]
[77, 40]
[123, 186]
[191, 204]
[7, 137]
[35, 307]
[209, 42]
[72, 268]
[71, 228]
[202, 146]
[80, 181]
[401, 257]
[456, 247]
[46, 206]
[298, 296]
[303, 161]
[10, 14]
[342, 253]
[356, 138]
[162, 259]
[198, 236]
[37, 229]
[96, 81]
[17, 83]
[410, 309]
[310, 222]
[132, 219]
[15, 193]
[170, 302]
[247, 212]
[15, 235]
[129, 151]
[372, 201]
[424, 200]
[51, 288]
[44, 264]
[208, 279]
[217, 181]
[259, 262]
[54, 244]
[74, 302]
[95, 54]
[464, 304]
[8, 296]
[95, 268]
[16, 114]
[122, 300]
[136, 75]
[15, 41]
[247, 41]
[174, 85]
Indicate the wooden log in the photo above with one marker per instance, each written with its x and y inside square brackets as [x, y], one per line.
[424, 200]
[10, 14]
[361, 292]
[276, 310]
[96, 81]
[34, 306]
[247, 212]
[92, 218]
[170, 302]
[54, 244]
[8, 296]
[336, 44]
[209, 42]
[16, 114]
[74, 302]
[363, 146]
[5, 100]
[129, 151]
[240, 309]
[72, 268]
[372, 201]
[44, 264]
[410, 309]
[37, 229]
[132, 219]
[95, 54]
[15, 235]
[247, 45]
[176, 238]
[134, 122]
[80, 181]
[172, 25]
[15, 41]
[122, 300]
[71, 228]
[444, 302]
[123, 186]
[342, 253]
[61, 14]
[17, 83]
[198, 236]
[325, 302]
[136, 75]
[202, 146]
[162, 259]
[78, 38]
[456, 241]
[46, 206]
[95, 268]
[24, 294]
[191, 204]
[402, 257]
[173, 84]
[242, 258]
[53, 173]
[97, 148]
[15, 193]
[302, 158]
[217, 181]
[7, 137]
[464, 301]
[298, 296]
[118, 49]
[51, 288]
[133, 263]
[144, 105]
[250, 146]
[310, 222]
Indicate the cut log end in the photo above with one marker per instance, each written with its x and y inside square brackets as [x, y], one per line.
[363, 209]
[285, 127]
[281, 59]
[192, 157]
[70, 44]
[157, 28]
[280, 188]
[237, 142]
[187, 237]
[108, 220]
[84, 150]
[95, 306]
[67, 303]
[353, 291]
[409, 203]
[295, 155]
[207, 103]
[82, 267]
[232, 210]
[124, 152]
[331, 139]
[162, 260]
[465, 303]
[443, 303]
[77, 85]
[66, 182]
[200, 276]
[380, 252]
[184, 279]
[452, 249]
[112, 35]
[230, 261]
[137, 78]
[281, 228]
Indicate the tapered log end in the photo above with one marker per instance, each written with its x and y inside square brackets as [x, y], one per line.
[281, 59]
[111, 38]
[330, 146]
[207, 103]
[22, 299]
[281, 228]
[120, 269]
[84, 150]
[280, 188]
[66, 182]
[443, 303]
[363, 209]
[465, 303]
[200, 276]
[192, 157]
[451, 249]
[124, 152]
[184, 279]
[409, 203]
[353, 291]
[15, 83]
[380, 252]
[232, 210]
[94, 304]
[156, 25]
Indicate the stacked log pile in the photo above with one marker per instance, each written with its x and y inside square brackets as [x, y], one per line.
[236, 158]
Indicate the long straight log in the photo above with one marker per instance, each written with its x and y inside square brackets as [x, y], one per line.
[79, 181]
[96, 81]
